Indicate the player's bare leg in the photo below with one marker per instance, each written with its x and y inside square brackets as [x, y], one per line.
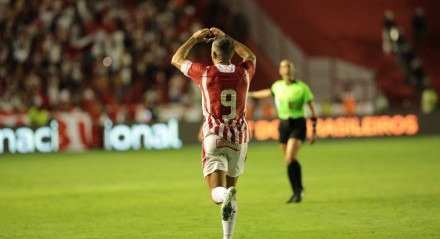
[226, 196]
[290, 151]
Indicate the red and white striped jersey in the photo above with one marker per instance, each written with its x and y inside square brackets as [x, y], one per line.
[224, 93]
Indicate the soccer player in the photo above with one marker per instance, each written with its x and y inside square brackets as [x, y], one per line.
[224, 88]
[291, 94]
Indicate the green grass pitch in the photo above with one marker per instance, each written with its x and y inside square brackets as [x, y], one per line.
[363, 188]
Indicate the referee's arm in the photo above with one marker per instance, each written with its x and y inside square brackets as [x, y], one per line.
[314, 121]
[312, 109]
[261, 94]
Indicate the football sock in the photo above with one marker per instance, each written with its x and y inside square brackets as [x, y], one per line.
[291, 174]
[228, 226]
[218, 194]
[297, 174]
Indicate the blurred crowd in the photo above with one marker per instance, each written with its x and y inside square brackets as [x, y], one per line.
[102, 56]
[111, 57]
[396, 42]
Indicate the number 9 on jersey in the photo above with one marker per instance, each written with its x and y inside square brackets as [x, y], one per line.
[229, 99]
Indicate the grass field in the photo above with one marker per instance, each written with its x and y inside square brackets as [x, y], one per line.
[369, 188]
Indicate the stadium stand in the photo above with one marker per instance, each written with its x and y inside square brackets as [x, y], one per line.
[324, 29]
[95, 55]
[112, 57]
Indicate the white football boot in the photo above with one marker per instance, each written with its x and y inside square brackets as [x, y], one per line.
[227, 208]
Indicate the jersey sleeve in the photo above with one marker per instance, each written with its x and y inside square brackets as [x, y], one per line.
[193, 70]
[308, 95]
[249, 67]
[272, 89]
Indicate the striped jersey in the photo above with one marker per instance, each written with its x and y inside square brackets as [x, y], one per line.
[224, 93]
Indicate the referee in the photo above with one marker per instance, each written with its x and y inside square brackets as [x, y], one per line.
[291, 94]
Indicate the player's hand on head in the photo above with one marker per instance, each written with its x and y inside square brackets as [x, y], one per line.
[216, 32]
[201, 34]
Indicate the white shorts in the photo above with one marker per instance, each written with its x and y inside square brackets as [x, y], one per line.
[222, 154]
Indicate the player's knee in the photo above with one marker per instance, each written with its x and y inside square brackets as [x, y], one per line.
[290, 158]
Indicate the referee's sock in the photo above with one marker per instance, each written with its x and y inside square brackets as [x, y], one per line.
[292, 176]
[298, 176]
[294, 172]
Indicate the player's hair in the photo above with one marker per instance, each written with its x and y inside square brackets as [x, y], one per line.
[226, 47]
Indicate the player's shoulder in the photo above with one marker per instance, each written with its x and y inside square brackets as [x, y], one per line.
[301, 83]
[277, 83]
[200, 64]
[202, 68]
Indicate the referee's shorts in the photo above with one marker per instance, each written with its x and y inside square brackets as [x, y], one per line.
[292, 128]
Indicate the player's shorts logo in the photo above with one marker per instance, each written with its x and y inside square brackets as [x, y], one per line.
[221, 143]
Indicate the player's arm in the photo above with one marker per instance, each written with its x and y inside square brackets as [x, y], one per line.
[180, 56]
[243, 51]
[261, 94]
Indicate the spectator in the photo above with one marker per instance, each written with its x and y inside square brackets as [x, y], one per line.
[417, 77]
[349, 102]
[381, 103]
[388, 26]
[419, 26]
[429, 100]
